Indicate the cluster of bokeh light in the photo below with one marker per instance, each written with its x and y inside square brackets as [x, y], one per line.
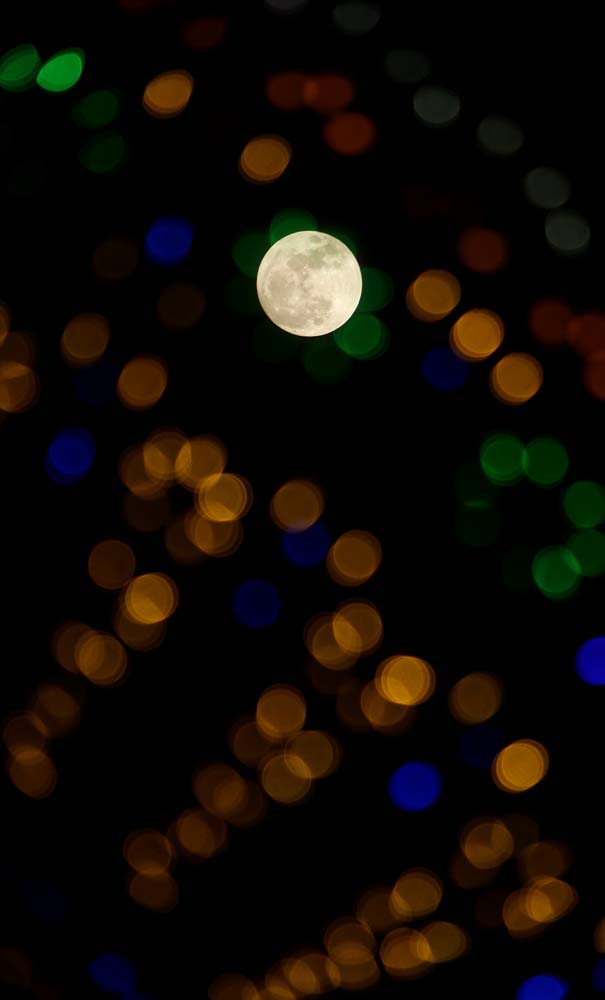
[19, 384]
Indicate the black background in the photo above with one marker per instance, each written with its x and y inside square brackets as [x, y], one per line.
[384, 445]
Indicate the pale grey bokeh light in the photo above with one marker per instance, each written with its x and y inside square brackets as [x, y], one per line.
[309, 283]
[436, 106]
[499, 136]
[546, 187]
[567, 232]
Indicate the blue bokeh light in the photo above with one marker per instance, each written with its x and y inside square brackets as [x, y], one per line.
[97, 385]
[598, 976]
[544, 987]
[256, 604]
[590, 661]
[113, 973]
[307, 548]
[480, 744]
[70, 455]
[415, 786]
[169, 240]
[443, 369]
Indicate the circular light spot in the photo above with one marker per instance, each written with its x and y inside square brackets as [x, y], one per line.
[487, 843]
[96, 110]
[327, 92]
[549, 320]
[322, 645]
[443, 369]
[374, 910]
[199, 458]
[545, 461]
[405, 680]
[70, 455]
[104, 154]
[169, 240]
[306, 548]
[354, 558]
[407, 65]
[433, 295]
[101, 658]
[199, 834]
[291, 220]
[33, 772]
[357, 627]
[543, 858]
[516, 378]
[297, 505]
[18, 387]
[286, 90]
[111, 564]
[256, 604]
[62, 71]
[543, 987]
[401, 951]
[19, 68]
[155, 892]
[546, 187]
[590, 661]
[588, 548]
[113, 973]
[416, 893]
[499, 136]
[501, 457]
[436, 106]
[567, 232]
[520, 766]
[142, 382]
[556, 572]
[584, 504]
[319, 752]
[442, 941]
[265, 158]
[350, 133]
[415, 786]
[223, 497]
[55, 710]
[363, 337]
[483, 250]
[382, 713]
[280, 712]
[477, 334]
[284, 783]
[160, 452]
[168, 94]
[475, 698]
[151, 598]
[85, 339]
[149, 852]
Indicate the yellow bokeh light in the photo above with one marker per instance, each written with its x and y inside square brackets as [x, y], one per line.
[224, 497]
[142, 382]
[149, 852]
[319, 752]
[151, 598]
[280, 712]
[477, 334]
[401, 952]
[349, 942]
[134, 634]
[354, 558]
[382, 713]
[277, 985]
[475, 698]
[374, 910]
[433, 295]
[348, 706]
[85, 339]
[297, 505]
[55, 710]
[178, 544]
[405, 680]
[199, 835]
[520, 766]
[359, 976]
[442, 941]
[33, 772]
[233, 987]
[516, 378]
[160, 453]
[357, 627]
[249, 744]
[168, 93]
[18, 387]
[101, 657]
[487, 843]
[515, 915]
[23, 732]
[265, 158]
[282, 783]
[548, 899]
[311, 973]
[416, 893]
[111, 564]
[64, 642]
[547, 857]
[213, 538]
[155, 892]
[220, 790]
[466, 875]
[133, 473]
[321, 644]
[198, 458]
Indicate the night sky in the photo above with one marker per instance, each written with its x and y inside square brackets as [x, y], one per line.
[394, 438]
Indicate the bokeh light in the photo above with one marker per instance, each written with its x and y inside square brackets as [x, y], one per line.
[155, 892]
[588, 548]
[280, 712]
[168, 94]
[433, 295]
[548, 321]
[151, 598]
[546, 857]
[180, 306]
[286, 91]
[475, 698]
[545, 461]
[520, 766]
[405, 680]
[415, 786]
[200, 835]
[111, 564]
[284, 781]
[499, 136]
[199, 458]
[516, 378]
[477, 334]
[96, 110]
[168, 240]
[487, 843]
[556, 572]
[350, 133]
[265, 158]
[297, 505]
[70, 455]
[19, 387]
[142, 382]
[19, 68]
[354, 558]
[546, 187]
[327, 92]
[357, 627]
[223, 497]
[101, 657]
[442, 941]
[416, 893]
[62, 71]
[319, 751]
[543, 987]
[256, 604]
[483, 250]
[584, 504]
[149, 852]
[307, 548]
[115, 259]
[567, 232]
[85, 339]
[590, 661]
[113, 973]
[407, 65]
[33, 772]
[322, 645]
[436, 106]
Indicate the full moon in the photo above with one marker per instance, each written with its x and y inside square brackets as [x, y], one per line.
[309, 283]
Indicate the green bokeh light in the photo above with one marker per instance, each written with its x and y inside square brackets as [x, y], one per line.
[545, 461]
[516, 569]
[19, 67]
[584, 504]
[324, 362]
[377, 289]
[472, 488]
[479, 526]
[274, 345]
[363, 336]
[345, 236]
[588, 547]
[290, 220]
[556, 572]
[96, 110]
[62, 71]
[502, 458]
[104, 153]
[248, 249]
[241, 297]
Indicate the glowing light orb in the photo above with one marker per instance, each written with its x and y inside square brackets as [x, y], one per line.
[309, 283]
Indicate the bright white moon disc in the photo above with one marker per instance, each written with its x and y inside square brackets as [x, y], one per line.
[309, 283]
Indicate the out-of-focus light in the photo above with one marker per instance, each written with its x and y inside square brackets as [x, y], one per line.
[377, 289]
[516, 378]
[443, 369]
[55, 710]
[547, 857]
[349, 942]
[96, 110]
[477, 334]
[436, 106]
[407, 65]
[384, 715]
[256, 604]
[168, 94]
[280, 712]
[466, 876]
[111, 564]
[545, 461]
[286, 90]
[24, 731]
[499, 136]
[312, 973]
[350, 133]
[169, 240]
[149, 852]
[546, 187]
[155, 892]
[297, 505]
[306, 548]
[18, 387]
[221, 790]
[223, 497]
[33, 772]
[357, 627]
[180, 306]
[472, 488]
[214, 538]
[588, 548]
[354, 558]
[290, 220]
[556, 572]
[64, 642]
[586, 334]
[598, 976]
[85, 339]
[200, 835]
[204, 33]
[104, 153]
[101, 658]
[374, 910]
[199, 458]
[133, 473]
[142, 382]
[487, 843]
[548, 321]
[249, 744]
[405, 680]
[70, 455]
[475, 698]
[319, 751]
[356, 19]
[160, 453]
[322, 645]
[62, 71]
[543, 987]
[433, 295]
[19, 67]
[483, 250]
[401, 953]
[178, 544]
[584, 504]
[415, 786]
[548, 899]
[151, 598]
[567, 232]
[284, 781]
[590, 661]
[520, 766]
[327, 92]
[113, 973]
[599, 936]
[416, 893]
[233, 987]
[115, 259]
[133, 634]
[265, 158]
[442, 942]
[480, 744]
[248, 249]
[362, 336]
